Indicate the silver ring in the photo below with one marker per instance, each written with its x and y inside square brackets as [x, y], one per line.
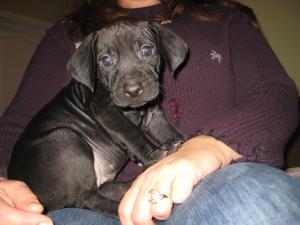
[154, 196]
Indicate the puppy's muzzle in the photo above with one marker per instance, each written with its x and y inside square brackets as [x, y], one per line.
[133, 89]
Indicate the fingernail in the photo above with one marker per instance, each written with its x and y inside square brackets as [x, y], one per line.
[45, 223]
[36, 205]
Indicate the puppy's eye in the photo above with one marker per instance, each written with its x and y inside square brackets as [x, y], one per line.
[147, 50]
[106, 60]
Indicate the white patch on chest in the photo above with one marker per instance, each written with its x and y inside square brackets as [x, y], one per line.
[103, 169]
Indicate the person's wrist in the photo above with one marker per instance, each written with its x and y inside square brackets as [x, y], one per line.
[222, 152]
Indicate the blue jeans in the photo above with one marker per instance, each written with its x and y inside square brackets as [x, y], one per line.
[240, 194]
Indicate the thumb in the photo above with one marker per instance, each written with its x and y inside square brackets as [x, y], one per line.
[182, 187]
[29, 218]
[22, 197]
[29, 205]
[12, 216]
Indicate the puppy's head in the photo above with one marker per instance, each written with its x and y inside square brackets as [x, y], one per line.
[126, 58]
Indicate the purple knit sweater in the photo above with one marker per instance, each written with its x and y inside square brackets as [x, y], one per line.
[232, 87]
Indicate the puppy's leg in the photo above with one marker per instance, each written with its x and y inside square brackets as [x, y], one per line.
[59, 169]
[114, 190]
[157, 126]
[128, 135]
[94, 200]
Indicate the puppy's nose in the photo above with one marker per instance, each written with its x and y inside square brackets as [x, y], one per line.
[133, 90]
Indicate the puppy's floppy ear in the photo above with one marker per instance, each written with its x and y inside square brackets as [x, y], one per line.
[172, 47]
[82, 64]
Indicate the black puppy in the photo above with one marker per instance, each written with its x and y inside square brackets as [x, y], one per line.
[72, 150]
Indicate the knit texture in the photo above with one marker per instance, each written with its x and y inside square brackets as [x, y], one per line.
[232, 87]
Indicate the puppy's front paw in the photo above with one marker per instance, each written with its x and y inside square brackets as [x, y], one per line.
[165, 149]
[154, 156]
[171, 146]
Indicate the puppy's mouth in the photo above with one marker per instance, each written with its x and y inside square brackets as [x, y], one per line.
[135, 95]
[137, 104]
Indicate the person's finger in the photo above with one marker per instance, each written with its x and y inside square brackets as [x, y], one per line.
[163, 208]
[141, 212]
[27, 218]
[13, 216]
[126, 205]
[134, 208]
[22, 197]
[182, 187]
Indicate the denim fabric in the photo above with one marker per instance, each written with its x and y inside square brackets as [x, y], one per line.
[240, 194]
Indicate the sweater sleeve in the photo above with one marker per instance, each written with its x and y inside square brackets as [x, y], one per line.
[265, 113]
[45, 75]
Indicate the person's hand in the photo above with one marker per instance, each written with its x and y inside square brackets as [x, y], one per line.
[174, 176]
[19, 206]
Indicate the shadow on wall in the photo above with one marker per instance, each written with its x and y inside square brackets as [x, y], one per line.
[19, 37]
[15, 53]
